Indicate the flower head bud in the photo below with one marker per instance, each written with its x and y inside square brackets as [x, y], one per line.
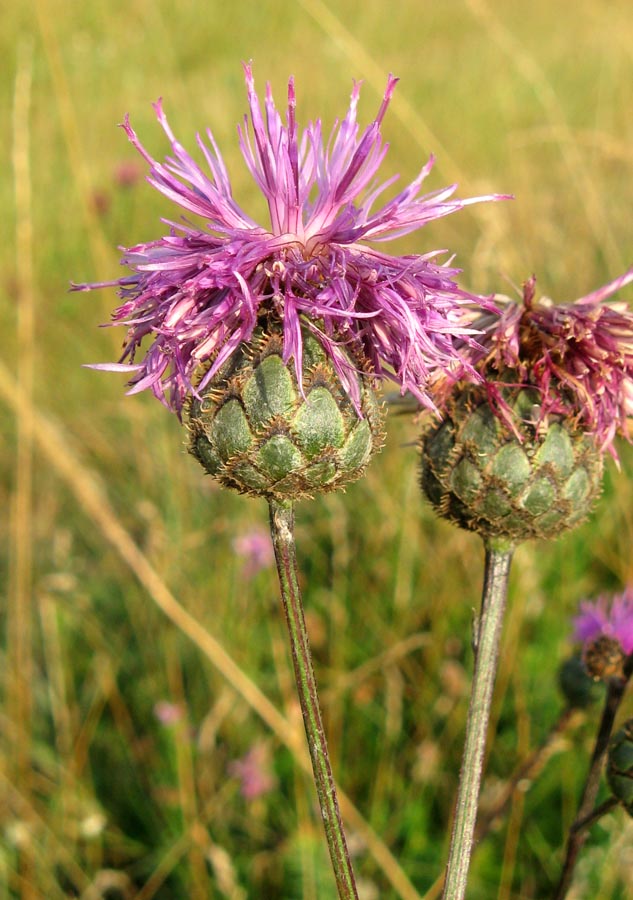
[620, 766]
[604, 658]
[257, 430]
[604, 627]
[530, 481]
[575, 684]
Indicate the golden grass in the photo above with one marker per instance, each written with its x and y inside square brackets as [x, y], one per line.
[105, 512]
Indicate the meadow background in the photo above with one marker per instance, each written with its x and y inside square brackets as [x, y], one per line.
[150, 742]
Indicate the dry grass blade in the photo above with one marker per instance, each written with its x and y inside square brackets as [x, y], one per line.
[409, 117]
[20, 607]
[580, 176]
[101, 252]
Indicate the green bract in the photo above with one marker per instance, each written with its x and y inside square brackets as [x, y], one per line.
[478, 474]
[257, 431]
[620, 766]
[578, 688]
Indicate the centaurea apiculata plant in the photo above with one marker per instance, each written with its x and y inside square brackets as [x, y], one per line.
[604, 629]
[268, 339]
[519, 455]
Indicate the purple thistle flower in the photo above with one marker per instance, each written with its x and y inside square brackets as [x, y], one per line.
[578, 355]
[198, 292]
[611, 617]
[168, 713]
[254, 772]
[256, 549]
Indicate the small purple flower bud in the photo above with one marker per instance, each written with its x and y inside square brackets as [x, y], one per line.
[256, 549]
[610, 617]
[604, 659]
[579, 690]
[168, 713]
[254, 772]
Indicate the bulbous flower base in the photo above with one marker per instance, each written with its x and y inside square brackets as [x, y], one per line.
[258, 432]
[481, 476]
[620, 766]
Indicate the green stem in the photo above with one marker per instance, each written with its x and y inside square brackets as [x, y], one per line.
[605, 807]
[486, 637]
[282, 531]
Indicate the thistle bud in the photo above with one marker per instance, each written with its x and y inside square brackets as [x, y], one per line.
[258, 431]
[604, 658]
[532, 480]
[620, 766]
[604, 628]
[579, 690]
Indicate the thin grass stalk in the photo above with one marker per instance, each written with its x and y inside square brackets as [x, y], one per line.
[486, 638]
[20, 601]
[596, 814]
[527, 771]
[282, 532]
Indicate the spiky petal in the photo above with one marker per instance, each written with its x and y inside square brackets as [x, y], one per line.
[578, 356]
[198, 293]
[607, 616]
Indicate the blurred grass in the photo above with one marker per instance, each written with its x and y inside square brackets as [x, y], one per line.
[108, 521]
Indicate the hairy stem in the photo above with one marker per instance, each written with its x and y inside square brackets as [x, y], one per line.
[584, 817]
[486, 647]
[282, 531]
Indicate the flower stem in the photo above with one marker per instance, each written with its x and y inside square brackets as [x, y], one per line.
[282, 531]
[605, 807]
[584, 817]
[486, 637]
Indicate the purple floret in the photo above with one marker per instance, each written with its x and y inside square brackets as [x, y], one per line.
[612, 617]
[197, 293]
[578, 356]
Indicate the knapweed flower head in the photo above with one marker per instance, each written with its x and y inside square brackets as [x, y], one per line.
[199, 292]
[606, 617]
[578, 357]
[520, 454]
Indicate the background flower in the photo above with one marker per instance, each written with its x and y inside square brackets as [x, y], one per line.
[609, 616]
[254, 771]
[256, 549]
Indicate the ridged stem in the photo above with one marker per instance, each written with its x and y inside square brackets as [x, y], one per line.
[487, 633]
[282, 531]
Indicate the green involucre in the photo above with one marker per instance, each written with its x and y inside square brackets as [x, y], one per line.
[481, 476]
[256, 430]
[620, 766]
